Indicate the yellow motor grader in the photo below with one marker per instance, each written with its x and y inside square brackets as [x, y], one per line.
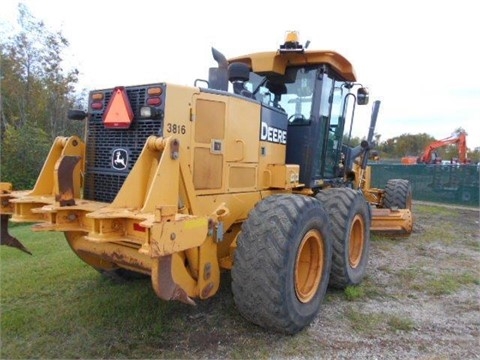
[249, 173]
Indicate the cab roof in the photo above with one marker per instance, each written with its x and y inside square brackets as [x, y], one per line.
[265, 63]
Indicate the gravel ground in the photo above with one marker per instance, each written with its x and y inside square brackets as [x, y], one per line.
[420, 300]
[430, 280]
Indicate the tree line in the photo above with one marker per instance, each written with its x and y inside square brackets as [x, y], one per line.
[36, 92]
[415, 145]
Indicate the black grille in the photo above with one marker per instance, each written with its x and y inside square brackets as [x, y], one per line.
[102, 180]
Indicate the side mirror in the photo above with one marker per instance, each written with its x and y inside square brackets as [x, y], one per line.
[362, 96]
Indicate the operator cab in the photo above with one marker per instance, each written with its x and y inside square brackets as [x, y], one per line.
[313, 89]
[317, 100]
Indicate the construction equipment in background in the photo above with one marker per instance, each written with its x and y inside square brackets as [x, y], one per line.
[459, 139]
[430, 155]
[181, 183]
[410, 160]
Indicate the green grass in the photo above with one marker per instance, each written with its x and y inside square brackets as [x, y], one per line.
[420, 280]
[55, 306]
[433, 210]
[363, 322]
[370, 323]
[399, 323]
[449, 283]
[353, 293]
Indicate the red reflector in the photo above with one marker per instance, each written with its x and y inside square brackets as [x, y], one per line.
[97, 105]
[119, 113]
[138, 227]
[154, 101]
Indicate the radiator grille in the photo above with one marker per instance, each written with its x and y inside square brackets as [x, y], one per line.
[102, 180]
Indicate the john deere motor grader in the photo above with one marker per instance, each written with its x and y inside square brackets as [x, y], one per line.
[247, 173]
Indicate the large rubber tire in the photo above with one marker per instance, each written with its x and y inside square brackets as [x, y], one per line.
[398, 194]
[350, 219]
[282, 263]
[105, 268]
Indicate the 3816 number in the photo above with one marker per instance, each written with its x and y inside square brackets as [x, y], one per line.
[176, 128]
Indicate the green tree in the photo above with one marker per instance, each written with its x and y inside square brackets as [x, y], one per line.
[35, 95]
[30, 145]
[405, 145]
[415, 145]
[35, 88]
[352, 142]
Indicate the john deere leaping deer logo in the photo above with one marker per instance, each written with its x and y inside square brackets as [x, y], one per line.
[119, 159]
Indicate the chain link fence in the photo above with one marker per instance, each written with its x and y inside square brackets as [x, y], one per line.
[451, 184]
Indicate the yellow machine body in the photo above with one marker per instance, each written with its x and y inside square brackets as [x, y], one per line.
[179, 211]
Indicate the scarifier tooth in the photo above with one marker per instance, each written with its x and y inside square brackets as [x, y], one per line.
[7, 239]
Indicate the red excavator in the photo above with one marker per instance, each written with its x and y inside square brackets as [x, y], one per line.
[430, 155]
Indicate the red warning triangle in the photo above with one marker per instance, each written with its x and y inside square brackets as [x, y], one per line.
[119, 114]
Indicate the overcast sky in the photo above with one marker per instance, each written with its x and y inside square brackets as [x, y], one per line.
[419, 58]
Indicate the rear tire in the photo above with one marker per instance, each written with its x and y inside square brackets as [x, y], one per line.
[350, 219]
[282, 263]
[398, 194]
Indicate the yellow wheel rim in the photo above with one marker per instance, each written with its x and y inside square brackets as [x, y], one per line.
[357, 241]
[309, 266]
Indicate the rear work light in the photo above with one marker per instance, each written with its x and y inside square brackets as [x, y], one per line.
[150, 112]
[119, 114]
[153, 103]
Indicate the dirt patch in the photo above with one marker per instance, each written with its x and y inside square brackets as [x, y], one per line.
[421, 296]
[420, 300]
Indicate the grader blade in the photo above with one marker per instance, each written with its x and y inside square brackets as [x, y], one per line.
[6, 238]
[392, 222]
